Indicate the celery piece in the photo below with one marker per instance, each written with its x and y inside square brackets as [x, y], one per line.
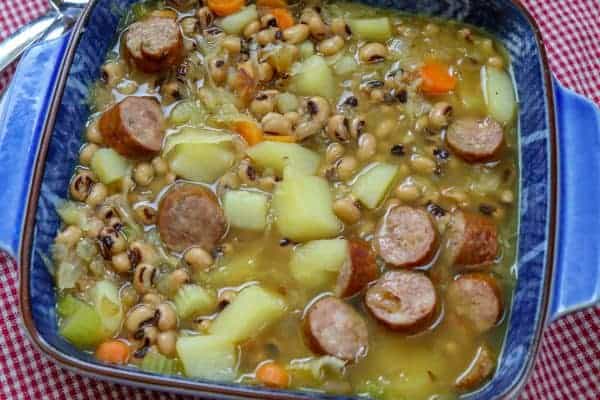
[72, 213]
[105, 297]
[235, 23]
[277, 155]
[67, 305]
[109, 166]
[81, 325]
[67, 274]
[373, 183]
[208, 357]
[157, 363]
[376, 29]
[251, 311]
[194, 300]
[246, 210]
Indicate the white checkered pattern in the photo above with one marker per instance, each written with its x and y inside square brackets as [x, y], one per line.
[568, 364]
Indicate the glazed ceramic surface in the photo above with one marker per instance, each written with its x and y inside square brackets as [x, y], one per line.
[41, 124]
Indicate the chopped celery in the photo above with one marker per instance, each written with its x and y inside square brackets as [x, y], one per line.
[81, 323]
[67, 305]
[278, 155]
[251, 311]
[67, 275]
[193, 300]
[72, 213]
[208, 357]
[376, 29]
[316, 264]
[314, 78]
[373, 183]
[105, 297]
[246, 210]
[86, 249]
[157, 363]
[235, 23]
[345, 66]
[109, 165]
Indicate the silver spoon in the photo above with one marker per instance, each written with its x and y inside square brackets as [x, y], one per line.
[13, 46]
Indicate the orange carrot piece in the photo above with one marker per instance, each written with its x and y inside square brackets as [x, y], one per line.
[225, 7]
[436, 78]
[113, 351]
[250, 131]
[271, 3]
[280, 138]
[273, 375]
[284, 17]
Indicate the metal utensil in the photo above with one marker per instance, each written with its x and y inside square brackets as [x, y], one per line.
[13, 46]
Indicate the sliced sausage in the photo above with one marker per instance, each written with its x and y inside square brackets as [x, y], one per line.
[190, 215]
[134, 127]
[402, 300]
[358, 271]
[472, 239]
[480, 368]
[154, 44]
[406, 237]
[333, 327]
[475, 139]
[476, 299]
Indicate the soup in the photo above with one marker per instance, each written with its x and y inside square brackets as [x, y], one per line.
[302, 195]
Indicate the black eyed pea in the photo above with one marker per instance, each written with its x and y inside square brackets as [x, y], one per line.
[268, 21]
[341, 28]
[293, 117]
[205, 17]
[140, 316]
[121, 263]
[143, 174]
[146, 334]
[142, 252]
[81, 185]
[144, 277]
[251, 29]
[338, 128]
[334, 152]
[225, 297]
[171, 91]
[367, 147]
[166, 341]
[167, 318]
[112, 72]
[266, 36]
[307, 128]
[189, 25]
[97, 194]
[233, 44]
[422, 123]
[177, 279]
[372, 53]
[345, 167]
[152, 299]
[218, 70]
[421, 164]
[440, 115]
[277, 124]
[296, 34]
[69, 236]
[331, 46]
[198, 258]
[129, 296]
[347, 210]
[357, 127]
[160, 166]
[407, 191]
[318, 109]
[92, 133]
[145, 214]
[263, 103]
[318, 29]
[385, 128]
[377, 95]
[264, 71]
[86, 153]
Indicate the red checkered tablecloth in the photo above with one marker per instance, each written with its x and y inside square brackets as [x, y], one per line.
[568, 364]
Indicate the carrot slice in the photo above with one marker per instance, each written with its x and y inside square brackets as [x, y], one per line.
[284, 18]
[250, 131]
[113, 351]
[271, 3]
[280, 138]
[273, 375]
[436, 78]
[225, 7]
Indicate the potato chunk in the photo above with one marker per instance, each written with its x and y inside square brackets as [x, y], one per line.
[373, 183]
[208, 357]
[278, 155]
[316, 264]
[314, 78]
[246, 210]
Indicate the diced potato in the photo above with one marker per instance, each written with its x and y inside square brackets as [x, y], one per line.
[105, 297]
[314, 78]
[208, 357]
[373, 183]
[345, 66]
[193, 300]
[109, 166]
[251, 311]
[278, 155]
[186, 111]
[375, 29]
[303, 209]
[198, 135]
[316, 264]
[246, 210]
[72, 213]
[234, 269]
[499, 94]
[235, 23]
[203, 162]
[307, 49]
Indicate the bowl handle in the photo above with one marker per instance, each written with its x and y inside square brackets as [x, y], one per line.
[23, 112]
[576, 280]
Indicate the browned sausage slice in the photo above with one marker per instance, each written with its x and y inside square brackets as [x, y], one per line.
[478, 370]
[190, 215]
[472, 239]
[358, 271]
[475, 139]
[134, 127]
[402, 300]
[476, 299]
[154, 44]
[333, 327]
[406, 237]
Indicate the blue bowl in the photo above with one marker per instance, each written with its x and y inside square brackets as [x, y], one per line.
[43, 114]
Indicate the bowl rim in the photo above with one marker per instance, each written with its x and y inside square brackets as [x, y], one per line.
[223, 389]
